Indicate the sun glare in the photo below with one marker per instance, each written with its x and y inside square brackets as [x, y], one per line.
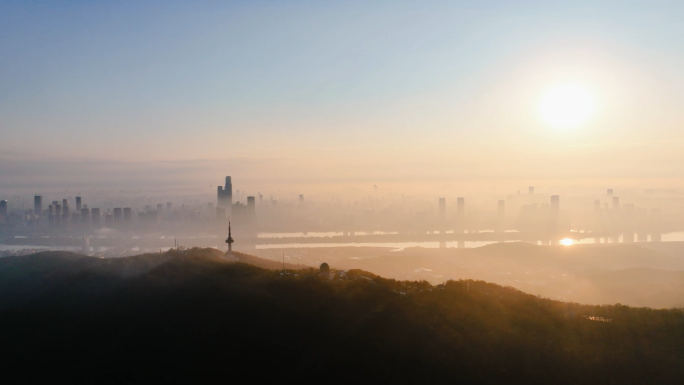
[567, 106]
[566, 242]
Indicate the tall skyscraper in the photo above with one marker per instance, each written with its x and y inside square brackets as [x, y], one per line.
[442, 210]
[460, 208]
[501, 209]
[65, 211]
[228, 188]
[117, 214]
[51, 214]
[95, 216]
[610, 192]
[224, 196]
[127, 215]
[616, 202]
[58, 212]
[597, 205]
[251, 210]
[530, 190]
[38, 205]
[3, 209]
[78, 204]
[301, 199]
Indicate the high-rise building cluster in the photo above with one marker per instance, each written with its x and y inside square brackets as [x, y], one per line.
[609, 216]
[240, 213]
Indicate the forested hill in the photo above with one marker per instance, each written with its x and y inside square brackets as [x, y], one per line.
[194, 317]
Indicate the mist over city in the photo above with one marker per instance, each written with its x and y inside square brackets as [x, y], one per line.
[370, 191]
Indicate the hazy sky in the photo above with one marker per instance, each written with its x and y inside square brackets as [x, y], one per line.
[353, 91]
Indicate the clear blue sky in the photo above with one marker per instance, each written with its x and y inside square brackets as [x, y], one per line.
[341, 84]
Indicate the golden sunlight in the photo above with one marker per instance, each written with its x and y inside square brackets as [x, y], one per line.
[566, 242]
[567, 106]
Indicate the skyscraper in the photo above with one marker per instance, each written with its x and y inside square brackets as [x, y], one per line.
[95, 216]
[616, 202]
[610, 192]
[57, 212]
[442, 209]
[65, 211]
[78, 203]
[501, 209]
[38, 205]
[3, 209]
[117, 214]
[251, 210]
[224, 196]
[530, 190]
[301, 199]
[460, 208]
[127, 215]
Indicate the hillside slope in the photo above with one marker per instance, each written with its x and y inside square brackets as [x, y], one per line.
[192, 317]
[596, 274]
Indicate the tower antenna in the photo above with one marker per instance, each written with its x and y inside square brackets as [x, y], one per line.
[229, 241]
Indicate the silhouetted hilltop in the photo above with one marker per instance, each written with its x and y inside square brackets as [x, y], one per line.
[194, 317]
[28, 277]
[595, 274]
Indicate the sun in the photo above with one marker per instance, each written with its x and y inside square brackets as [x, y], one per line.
[566, 242]
[567, 106]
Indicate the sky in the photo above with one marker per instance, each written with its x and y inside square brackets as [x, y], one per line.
[140, 93]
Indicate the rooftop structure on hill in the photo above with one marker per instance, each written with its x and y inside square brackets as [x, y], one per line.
[325, 269]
